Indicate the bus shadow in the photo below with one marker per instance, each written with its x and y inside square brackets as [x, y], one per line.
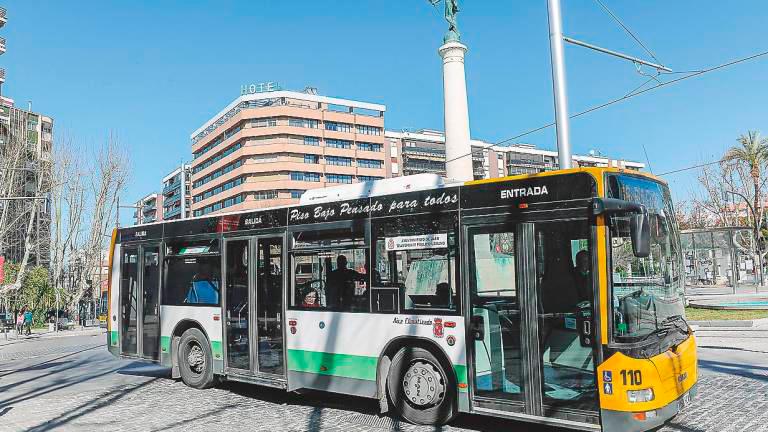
[362, 411]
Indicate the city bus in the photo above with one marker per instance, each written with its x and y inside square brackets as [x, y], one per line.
[554, 298]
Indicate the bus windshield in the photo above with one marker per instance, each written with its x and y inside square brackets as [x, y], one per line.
[647, 293]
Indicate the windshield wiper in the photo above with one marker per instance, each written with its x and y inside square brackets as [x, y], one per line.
[676, 322]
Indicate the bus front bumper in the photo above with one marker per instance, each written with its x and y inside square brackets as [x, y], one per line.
[632, 422]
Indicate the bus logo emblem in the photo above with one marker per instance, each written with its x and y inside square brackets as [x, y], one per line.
[437, 327]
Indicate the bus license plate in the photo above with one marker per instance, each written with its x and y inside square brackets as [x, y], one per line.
[684, 401]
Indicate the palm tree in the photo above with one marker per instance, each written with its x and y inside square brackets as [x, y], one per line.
[753, 152]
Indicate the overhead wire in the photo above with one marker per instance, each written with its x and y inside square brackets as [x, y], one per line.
[618, 20]
[630, 95]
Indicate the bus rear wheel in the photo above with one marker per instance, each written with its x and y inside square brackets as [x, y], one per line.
[420, 388]
[196, 360]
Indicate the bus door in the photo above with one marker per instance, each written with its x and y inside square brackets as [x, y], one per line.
[139, 291]
[129, 301]
[528, 357]
[253, 305]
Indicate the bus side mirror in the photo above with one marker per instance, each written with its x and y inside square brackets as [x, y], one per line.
[478, 327]
[640, 231]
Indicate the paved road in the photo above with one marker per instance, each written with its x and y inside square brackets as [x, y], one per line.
[72, 383]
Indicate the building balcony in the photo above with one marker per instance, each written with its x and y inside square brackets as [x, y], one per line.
[148, 208]
[2, 45]
[171, 213]
[3, 17]
[171, 187]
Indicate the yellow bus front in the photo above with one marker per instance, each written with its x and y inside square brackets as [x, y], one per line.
[649, 372]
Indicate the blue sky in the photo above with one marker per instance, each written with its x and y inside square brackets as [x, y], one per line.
[153, 72]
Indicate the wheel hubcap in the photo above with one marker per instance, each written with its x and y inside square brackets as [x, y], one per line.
[423, 385]
[196, 359]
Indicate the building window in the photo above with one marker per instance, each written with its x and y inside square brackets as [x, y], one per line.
[338, 160]
[311, 159]
[218, 173]
[265, 195]
[296, 194]
[366, 146]
[264, 122]
[217, 141]
[218, 157]
[305, 176]
[370, 163]
[301, 122]
[368, 130]
[336, 143]
[339, 178]
[311, 141]
[338, 127]
[364, 178]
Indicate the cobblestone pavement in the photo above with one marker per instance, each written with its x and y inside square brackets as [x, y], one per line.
[73, 384]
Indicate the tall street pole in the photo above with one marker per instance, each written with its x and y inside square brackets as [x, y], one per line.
[558, 84]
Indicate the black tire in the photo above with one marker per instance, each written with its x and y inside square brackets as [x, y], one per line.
[420, 389]
[196, 360]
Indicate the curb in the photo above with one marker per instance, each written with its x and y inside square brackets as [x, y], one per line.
[723, 323]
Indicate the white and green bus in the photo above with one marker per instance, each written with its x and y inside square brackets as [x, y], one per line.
[553, 298]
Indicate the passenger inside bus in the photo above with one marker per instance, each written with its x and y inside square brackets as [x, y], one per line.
[311, 299]
[340, 285]
[563, 262]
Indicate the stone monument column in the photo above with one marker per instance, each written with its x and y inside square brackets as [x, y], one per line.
[458, 151]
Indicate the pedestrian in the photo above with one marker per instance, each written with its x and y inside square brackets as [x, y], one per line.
[20, 322]
[28, 321]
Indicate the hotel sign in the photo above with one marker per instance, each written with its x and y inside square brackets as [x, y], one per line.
[261, 87]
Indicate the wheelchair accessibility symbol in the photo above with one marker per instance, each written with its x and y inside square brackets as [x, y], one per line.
[607, 376]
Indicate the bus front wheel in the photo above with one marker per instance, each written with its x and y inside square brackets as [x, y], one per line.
[420, 388]
[196, 360]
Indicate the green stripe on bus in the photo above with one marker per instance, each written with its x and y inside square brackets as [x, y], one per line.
[113, 338]
[165, 344]
[461, 377]
[216, 350]
[342, 365]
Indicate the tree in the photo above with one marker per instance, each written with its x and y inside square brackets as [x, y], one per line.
[733, 192]
[106, 180]
[753, 153]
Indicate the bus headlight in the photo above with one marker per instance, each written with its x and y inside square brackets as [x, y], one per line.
[644, 395]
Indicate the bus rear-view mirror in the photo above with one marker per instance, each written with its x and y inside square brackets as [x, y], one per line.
[640, 231]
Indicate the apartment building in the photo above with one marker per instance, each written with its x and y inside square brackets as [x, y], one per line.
[26, 145]
[177, 196]
[149, 209]
[424, 152]
[267, 149]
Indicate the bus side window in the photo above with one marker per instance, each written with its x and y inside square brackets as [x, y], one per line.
[330, 271]
[414, 265]
[192, 274]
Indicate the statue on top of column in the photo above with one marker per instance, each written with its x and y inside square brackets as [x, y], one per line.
[451, 10]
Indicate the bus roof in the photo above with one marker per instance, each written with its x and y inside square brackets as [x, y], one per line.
[413, 183]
